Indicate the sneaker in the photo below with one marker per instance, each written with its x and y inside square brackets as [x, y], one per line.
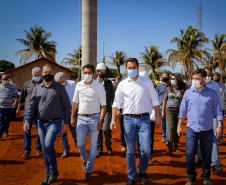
[207, 183]
[26, 154]
[216, 169]
[130, 182]
[190, 183]
[6, 134]
[99, 154]
[109, 150]
[143, 178]
[84, 166]
[39, 153]
[123, 149]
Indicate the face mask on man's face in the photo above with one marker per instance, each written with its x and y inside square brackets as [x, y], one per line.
[208, 79]
[5, 82]
[196, 83]
[88, 78]
[217, 80]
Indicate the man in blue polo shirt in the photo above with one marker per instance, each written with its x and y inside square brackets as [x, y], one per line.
[201, 105]
[8, 100]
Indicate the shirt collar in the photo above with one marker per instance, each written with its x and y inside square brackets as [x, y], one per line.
[43, 84]
[195, 90]
[131, 80]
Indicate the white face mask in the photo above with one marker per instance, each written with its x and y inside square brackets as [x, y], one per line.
[5, 82]
[196, 84]
[173, 82]
[88, 78]
[208, 79]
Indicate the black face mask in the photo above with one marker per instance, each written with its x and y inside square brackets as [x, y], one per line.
[101, 75]
[165, 79]
[48, 77]
[217, 81]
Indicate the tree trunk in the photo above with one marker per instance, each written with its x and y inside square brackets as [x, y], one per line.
[119, 74]
[154, 75]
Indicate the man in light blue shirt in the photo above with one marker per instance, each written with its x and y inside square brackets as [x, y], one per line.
[201, 105]
[217, 78]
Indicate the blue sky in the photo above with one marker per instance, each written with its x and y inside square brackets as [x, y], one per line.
[127, 25]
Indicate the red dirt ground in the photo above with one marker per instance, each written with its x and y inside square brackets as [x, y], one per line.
[108, 169]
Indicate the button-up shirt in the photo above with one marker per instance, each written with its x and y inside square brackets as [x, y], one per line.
[50, 103]
[161, 91]
[222, 87]
[201, 108]
[70, 88]
[7, 95]
[90, 97]
[215, 86]
[27, 92]
[136, 97]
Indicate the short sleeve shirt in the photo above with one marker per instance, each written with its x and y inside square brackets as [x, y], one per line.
[7, 95]
[173, 98]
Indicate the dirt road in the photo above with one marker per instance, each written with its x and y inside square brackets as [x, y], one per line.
[108, 169]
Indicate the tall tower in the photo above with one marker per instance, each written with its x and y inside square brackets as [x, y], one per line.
[89, 32]
[199, 17]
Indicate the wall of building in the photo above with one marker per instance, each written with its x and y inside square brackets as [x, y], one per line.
[23, 74]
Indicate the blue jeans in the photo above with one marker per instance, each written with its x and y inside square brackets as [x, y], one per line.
[164, 127]
[206, 140]
[48, 133]
[142, 127]
[215, 150]
[85, 125]
[27, 137]
[66, 146]
[5, 115]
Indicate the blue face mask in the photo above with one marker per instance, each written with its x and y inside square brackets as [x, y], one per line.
[37, 78]
[132, 73]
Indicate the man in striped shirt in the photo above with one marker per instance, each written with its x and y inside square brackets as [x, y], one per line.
[8, 101]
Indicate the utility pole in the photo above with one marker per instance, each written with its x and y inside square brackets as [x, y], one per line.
[199, 17]
[103, 53]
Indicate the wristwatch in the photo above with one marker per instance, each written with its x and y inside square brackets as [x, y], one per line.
[222, 126]
[102, 120]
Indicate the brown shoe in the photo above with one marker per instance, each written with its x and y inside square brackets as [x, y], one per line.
[190, 183]
[84, 166]
[88, 176]
[207, 183]
[123, 149]
[65, 154]
[26, 154]
[39, 153]
[163, 140]
[169, 151]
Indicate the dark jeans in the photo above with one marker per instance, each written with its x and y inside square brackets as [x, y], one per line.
[27, 137]
[107, 135]
[123, 142]
[5, 115]
[206, 143]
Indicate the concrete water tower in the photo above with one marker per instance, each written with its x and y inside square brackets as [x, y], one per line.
[89, 32]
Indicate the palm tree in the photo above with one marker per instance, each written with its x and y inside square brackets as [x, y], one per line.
[36, 43]
[189, 51]
[75, 57]
[153, 59]
[219, 54]
[212, 64]
[119, 59]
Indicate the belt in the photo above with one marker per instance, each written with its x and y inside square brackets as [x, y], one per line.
[47, 121]
[87, 115]
[137, 115]
[173, 107]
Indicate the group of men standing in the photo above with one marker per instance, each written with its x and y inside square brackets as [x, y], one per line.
[91, 107]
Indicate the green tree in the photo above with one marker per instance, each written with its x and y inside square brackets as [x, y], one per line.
[119, 59]
[6, 65]
[153, 59]
[75, 58]
[219, 54]
[212, 64]
[36, 43]
[189, 50]
[111, 73]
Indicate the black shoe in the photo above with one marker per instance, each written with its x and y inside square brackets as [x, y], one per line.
[45, 180]
[217, 169]
[143, 178]
[130, 182]
[53, 177]
[199, 164]
[88, 176]
[99, 154]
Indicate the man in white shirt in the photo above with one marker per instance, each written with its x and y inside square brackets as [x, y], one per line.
[136, 94]
[91, 96]
[69, 85]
